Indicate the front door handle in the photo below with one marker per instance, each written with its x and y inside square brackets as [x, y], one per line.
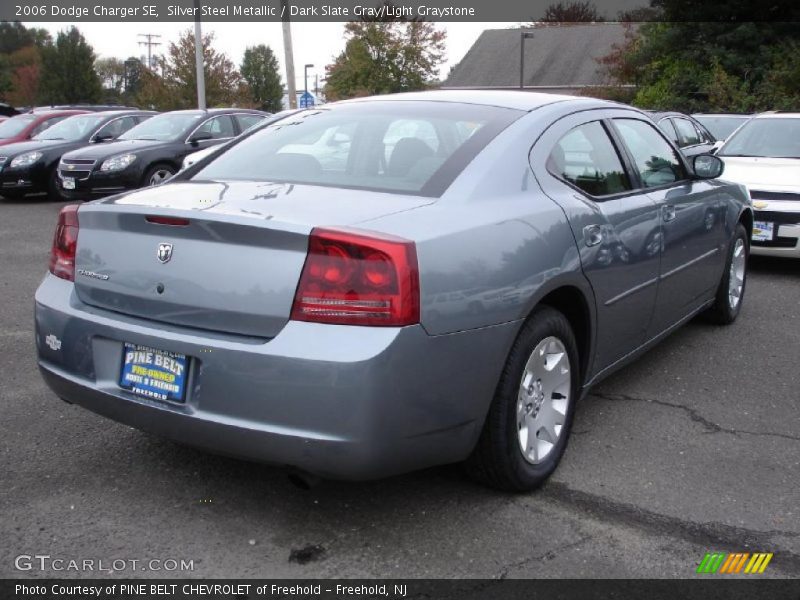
[592, 235]
[669, 213]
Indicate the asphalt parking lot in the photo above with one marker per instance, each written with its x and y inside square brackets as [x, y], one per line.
[694, 448]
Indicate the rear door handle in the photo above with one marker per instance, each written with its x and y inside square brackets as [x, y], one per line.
[669, 213]
[592, 235]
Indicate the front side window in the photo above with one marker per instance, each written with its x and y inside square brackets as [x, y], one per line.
[165, 128]
[410, 146]
[687, 133]
[668, 128]
[658, 164]
[219, 128]
[116, 127]
[586, 158]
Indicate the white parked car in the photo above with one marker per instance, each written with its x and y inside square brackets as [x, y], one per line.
[764, 155]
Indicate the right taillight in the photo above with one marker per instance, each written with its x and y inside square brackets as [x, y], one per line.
[354, 278]
[65, 242]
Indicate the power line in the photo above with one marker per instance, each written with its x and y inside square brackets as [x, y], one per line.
[149, 37]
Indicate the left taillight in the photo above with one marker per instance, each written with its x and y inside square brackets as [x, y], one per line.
[65, 242]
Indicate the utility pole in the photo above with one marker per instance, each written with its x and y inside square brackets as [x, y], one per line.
[198, 59]
[289, 55]
[149, 37]
[523, 35]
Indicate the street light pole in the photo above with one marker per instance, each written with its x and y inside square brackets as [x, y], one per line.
[523, 35]
[289, 55]
[198, 58]
[305, 76]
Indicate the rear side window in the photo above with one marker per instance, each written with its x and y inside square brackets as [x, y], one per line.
[657, 163]
[586, 158]
[247, 121]
[391, 146]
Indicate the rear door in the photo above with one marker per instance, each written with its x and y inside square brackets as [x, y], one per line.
[691, 220]
[617, 227]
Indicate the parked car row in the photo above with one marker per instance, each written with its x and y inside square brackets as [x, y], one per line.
[89, 152]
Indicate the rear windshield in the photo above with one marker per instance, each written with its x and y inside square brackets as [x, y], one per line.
[15, 126]
[388, 146]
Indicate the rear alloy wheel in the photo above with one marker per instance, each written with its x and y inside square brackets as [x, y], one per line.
[730, 293]
[526, 431]
[158, 175]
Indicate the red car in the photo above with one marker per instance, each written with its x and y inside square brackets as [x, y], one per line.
[23, 127]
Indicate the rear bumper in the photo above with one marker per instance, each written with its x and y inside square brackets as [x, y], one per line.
[337, 401]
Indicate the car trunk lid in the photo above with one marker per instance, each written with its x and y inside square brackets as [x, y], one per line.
[231, 260]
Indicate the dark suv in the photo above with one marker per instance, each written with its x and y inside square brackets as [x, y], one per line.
[30, 167]
[150, 153]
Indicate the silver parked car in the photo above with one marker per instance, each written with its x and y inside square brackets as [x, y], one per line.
[443, 295]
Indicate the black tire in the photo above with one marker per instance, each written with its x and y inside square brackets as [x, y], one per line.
[722, 311]
[155, 169]
[54, 188]
[497, 459]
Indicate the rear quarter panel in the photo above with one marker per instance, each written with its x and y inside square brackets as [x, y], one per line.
[493, 245]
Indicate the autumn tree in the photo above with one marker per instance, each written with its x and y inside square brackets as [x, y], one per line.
[178, 77]
[68, 75]
[20, 62]
[261, 72]
[385, 57]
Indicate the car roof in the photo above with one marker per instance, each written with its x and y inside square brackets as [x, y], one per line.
[514, 99]
[214, 111]
[778, 115]
[738, 115]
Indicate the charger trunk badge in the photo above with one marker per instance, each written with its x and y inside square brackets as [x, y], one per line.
[164, 253]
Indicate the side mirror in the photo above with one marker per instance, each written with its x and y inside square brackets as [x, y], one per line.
[99, 139]
[200, 137]
[707, 166]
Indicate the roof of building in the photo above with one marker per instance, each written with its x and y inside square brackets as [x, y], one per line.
[556, 56]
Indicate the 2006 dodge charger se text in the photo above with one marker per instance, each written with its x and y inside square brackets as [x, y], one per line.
[391, 283]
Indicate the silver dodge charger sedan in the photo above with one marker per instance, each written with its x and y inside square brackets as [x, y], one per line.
[392, 283]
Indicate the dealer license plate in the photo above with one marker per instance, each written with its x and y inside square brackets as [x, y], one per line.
[153, 373]
[763, 231]
[68, 183]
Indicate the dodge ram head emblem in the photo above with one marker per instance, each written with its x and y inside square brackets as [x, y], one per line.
[164, 253]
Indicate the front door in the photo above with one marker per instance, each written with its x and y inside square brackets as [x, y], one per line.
[691, 221]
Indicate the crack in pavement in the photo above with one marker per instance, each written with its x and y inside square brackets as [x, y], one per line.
[549, 555]
[719, 536]
[694, 415]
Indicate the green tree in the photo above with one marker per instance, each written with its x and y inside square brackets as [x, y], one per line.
[68, 75]
[571, 12]
[15, 36]
[260, 70]
[112, 77]
[728, 63]
[385, 57]
[223, 81]
[20, 61]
